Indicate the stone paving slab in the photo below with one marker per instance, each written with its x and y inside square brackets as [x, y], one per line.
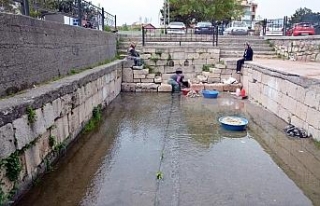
[304, 69]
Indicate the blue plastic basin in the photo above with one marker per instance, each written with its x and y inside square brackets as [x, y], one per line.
[210, 94]
[233, 123]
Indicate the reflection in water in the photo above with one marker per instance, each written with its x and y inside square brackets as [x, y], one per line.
[202, 164]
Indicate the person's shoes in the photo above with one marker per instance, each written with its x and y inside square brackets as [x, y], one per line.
[238, 72]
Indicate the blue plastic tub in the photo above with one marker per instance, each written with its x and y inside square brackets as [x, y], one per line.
[233, 123]
[210, 94]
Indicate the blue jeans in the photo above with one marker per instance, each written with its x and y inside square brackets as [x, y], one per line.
[175, 85]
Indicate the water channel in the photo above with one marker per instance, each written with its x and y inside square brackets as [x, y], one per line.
[201, 164]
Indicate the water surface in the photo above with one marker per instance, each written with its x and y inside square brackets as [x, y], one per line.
[201, 163]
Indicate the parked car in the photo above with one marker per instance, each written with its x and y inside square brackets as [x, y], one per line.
[176, 28]
[302, 28]
[204, 28]
[236, 28]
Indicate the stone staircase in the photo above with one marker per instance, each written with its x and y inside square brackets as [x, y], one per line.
[234, 47]
[231, 46]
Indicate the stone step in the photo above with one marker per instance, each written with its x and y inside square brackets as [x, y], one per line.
[225, 52]
[256, 56]
[192, 41]
[138, 35]
[241, 48]
[126, 44]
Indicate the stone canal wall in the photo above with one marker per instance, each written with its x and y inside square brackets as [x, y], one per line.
[293, 98]
[299, 48]
[201, 66]
[144, 81]
[191, 59]
[36, 126]
[35, 51]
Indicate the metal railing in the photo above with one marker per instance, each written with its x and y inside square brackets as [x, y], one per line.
[179, 35]
[81, 11]
[281, 26]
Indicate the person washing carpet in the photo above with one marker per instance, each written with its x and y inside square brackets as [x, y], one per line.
[176, 81]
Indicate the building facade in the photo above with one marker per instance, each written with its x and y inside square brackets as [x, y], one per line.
[249, 12]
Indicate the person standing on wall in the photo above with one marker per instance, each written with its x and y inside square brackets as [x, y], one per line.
[264, 27]
[247, 56]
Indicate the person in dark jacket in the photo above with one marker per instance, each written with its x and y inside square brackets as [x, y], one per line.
[134, 55]
[247, 56]
[176, 81]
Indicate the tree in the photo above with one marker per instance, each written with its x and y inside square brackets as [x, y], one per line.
[7, 5]
[188, 11]
[299, 14]
[124, 27]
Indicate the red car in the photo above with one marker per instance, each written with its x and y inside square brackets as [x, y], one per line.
[302, 28]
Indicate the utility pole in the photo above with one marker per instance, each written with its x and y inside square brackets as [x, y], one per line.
[168, 7]
[166, 12]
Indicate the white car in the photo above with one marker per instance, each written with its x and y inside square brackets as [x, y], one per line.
[236, 28]
[176, 28]
[274, 30]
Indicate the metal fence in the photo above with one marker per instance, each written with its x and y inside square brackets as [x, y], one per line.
[282, 25]
[179, 35]
[81, 12]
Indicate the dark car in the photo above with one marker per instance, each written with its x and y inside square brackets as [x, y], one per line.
[204, 28]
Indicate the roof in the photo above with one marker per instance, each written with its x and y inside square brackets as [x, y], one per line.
[149, 26]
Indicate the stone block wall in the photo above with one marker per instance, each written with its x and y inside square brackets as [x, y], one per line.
[148, 80]
[34, 51]
[36, 126]
[293, 98]
[301, 48]
[165, 59]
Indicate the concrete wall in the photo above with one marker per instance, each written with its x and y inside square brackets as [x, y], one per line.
[34, 51]
[299, 48]
[293, 98]
[61, 108]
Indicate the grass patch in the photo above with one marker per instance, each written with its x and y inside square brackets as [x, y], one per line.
[151, 69]
[31, 115]
[95, 120]
[206, 67]
[159, 53]
[159, 175]
[3, 197]
[60, 147]
[13, 167]
[52, 141]
[316, 143]
[154, 58]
